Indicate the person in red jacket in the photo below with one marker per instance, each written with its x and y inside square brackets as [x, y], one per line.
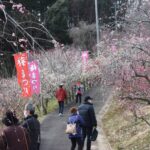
[61, 95]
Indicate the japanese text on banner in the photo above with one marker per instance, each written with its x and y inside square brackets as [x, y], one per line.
[21, 62]
[34, 77]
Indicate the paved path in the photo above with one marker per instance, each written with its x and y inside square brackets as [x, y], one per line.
[53, 127]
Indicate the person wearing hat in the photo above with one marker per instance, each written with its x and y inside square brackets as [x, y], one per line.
[13, 136]
[32, 125]
[86, 110]
[61, 95]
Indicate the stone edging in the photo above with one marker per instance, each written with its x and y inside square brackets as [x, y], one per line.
[102, 141]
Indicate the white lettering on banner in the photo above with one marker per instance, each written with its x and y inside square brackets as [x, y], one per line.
[26, 90]
[21, 61]
[25, 82]
[33, 67]
[33, 75]
[23, 74]
[34, 81]
[34, 87]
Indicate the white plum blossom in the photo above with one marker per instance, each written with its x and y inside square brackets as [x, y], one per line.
[2, 6]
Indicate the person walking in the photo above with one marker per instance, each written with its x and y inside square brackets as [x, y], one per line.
[78, 95]
[86, 110]
[61, 95]
[32, 125]
[76, 138]
[13, 136]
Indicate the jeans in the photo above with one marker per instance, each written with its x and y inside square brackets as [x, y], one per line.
[61, 106]
[87, 131]
[75, 141]
[78, 98]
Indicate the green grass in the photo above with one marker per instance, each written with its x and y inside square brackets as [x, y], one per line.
[52, 105]
[123, 132]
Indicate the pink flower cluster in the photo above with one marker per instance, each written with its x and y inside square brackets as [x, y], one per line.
[19, 7]
[2, 6]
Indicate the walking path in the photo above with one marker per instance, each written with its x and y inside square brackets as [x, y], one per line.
[53, 127]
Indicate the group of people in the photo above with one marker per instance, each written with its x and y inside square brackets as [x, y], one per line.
[61, 95]
[20, 136]
[83, 116]
[85, 120]
[25, 135]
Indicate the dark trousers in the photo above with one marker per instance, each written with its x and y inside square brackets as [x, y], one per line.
[78, 98]
[38, 146]
[61, 106]
[75, 141]
[87, 131]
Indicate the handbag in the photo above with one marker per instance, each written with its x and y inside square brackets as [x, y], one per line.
[71, 128]
[94, 134]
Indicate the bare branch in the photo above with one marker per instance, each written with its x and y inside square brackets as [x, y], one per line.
[140, 75]
[137, 98]
[141, 49]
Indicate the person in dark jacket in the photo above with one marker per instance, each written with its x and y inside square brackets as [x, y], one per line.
[76, 138]
[86, 110]
[61, 95]
[78, 95]
[32, 125]
[13, 137]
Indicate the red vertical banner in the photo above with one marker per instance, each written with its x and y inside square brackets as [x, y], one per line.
[21, 62]
[34, 77]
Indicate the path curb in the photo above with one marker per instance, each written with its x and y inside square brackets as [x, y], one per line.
[102, 141]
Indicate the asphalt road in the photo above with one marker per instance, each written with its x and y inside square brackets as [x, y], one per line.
[53, 127]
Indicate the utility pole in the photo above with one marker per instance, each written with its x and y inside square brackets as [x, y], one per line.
[115, 15]
[97, 26]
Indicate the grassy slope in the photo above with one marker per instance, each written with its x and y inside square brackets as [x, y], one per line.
[52, 105]
[123, 132]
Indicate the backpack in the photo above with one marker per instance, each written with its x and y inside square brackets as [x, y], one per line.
[71, 127]
[78, 91]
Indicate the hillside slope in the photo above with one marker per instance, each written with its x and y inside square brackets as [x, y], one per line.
[124, 131]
